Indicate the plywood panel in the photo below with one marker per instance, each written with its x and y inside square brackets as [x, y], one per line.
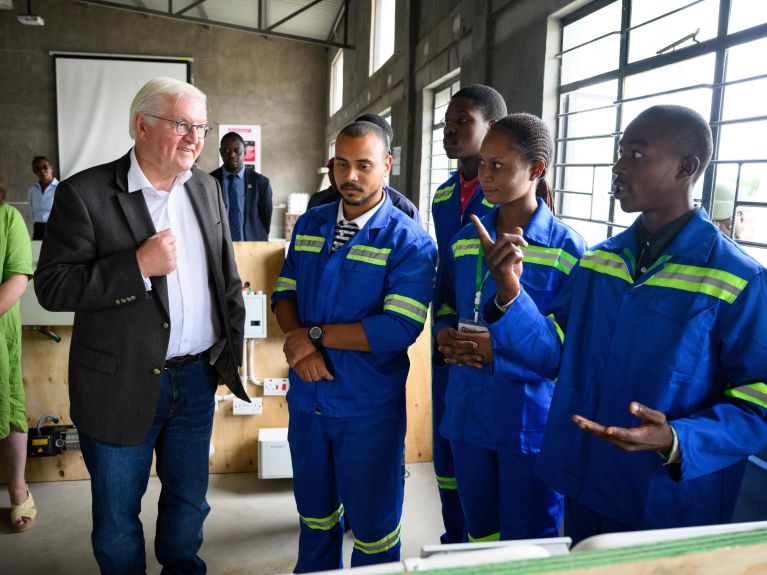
[235, 438]
[418, 444]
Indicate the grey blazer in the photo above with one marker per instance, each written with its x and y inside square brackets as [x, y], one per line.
[120, 336]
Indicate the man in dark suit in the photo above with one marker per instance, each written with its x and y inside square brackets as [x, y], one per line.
[156, 325]
[247, 194]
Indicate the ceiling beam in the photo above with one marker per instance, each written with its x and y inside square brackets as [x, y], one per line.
[192, 5]
[294, 14]
[207, 22]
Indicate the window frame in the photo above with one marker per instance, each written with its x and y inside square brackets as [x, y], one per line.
[717, 46]
[336, 99]
[376, 33]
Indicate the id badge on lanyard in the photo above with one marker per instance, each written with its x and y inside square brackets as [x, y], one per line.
[473, 325]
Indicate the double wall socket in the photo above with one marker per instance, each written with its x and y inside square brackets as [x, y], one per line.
[276, 385]
[255, 407]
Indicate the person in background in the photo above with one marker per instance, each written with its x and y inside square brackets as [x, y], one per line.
[722, 210]
[352, 296]
[329, 194]
[400, 201]
[658, 345]
[470, 114]
[40, 195]
[247, 194]
[495, 423]
[16, 259]
[139, 249]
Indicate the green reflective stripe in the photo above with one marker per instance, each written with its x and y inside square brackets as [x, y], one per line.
[486, 203]
[308, 243]
[443, 194]
[560, 333]
[324, 523]
[659, 262]
[406, 306]
[466, 248]
[369, 254]
[716, 283]
[606, 263]
[630, 255]
[445, 310]
[554, 257]
[448, 483]
[383, 544]
[285, 284]
[753, 392]
[491, 537]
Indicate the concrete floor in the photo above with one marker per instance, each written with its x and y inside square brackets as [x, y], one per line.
[252, 528]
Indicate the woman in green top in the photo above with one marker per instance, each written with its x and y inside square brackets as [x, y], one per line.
[16, 262]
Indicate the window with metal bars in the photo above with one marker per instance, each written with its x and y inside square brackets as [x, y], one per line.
[620, 57]
[440, 166]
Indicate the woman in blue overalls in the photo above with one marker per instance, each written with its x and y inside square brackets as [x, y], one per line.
[494, 423]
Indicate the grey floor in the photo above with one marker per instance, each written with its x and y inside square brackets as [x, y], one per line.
[252, 528]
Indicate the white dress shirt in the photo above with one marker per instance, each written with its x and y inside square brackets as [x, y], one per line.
[190, 302]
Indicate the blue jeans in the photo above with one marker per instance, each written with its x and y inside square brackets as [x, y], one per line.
[180, 435]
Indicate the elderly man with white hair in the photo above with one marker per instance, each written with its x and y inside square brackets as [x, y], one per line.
[140, 250]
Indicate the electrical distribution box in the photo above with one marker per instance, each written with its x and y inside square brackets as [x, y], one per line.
[255, 315]
[274, 453]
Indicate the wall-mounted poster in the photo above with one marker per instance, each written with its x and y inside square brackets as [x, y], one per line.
[252, 137]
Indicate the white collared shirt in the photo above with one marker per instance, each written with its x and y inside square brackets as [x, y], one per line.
[190, 303]
[364, 218]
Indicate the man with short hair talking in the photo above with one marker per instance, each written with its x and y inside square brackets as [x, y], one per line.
[139, 249]
[352, 296]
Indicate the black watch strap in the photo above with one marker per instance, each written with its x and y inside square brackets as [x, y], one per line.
[316, 333]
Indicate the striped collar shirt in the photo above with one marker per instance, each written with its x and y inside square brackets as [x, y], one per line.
[346, 229]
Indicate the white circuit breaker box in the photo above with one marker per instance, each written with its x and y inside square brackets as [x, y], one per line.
[274, 453]
[255, 314]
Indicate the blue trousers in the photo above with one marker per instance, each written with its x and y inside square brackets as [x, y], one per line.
[356, 460]
[444, 468]
[501, 495]
[180, 435]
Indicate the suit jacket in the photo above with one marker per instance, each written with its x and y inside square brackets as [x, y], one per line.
[258, 204]
[120, 336]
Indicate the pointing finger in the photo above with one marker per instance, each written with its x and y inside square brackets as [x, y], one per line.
[484, 237]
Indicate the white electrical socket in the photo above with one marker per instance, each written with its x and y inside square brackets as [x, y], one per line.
[276, 385]
[255, 407]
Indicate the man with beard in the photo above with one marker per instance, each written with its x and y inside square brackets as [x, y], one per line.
[352, 296]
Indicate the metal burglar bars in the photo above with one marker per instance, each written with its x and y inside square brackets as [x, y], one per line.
[620, 57]
[440, 165]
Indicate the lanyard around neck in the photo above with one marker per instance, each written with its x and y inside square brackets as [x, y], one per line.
[480, 282]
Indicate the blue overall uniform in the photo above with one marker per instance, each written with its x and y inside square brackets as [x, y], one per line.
[347, 435]
[688, 338]
[446, 213]
[495, 423]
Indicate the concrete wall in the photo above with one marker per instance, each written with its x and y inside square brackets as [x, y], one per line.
[508, 44]
[249, 79]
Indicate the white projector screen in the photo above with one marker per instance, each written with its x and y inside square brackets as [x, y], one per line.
[93, 98]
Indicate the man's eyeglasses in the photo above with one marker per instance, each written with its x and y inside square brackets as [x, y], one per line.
[183, 127]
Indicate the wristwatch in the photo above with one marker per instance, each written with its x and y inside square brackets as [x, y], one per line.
[316, 333]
